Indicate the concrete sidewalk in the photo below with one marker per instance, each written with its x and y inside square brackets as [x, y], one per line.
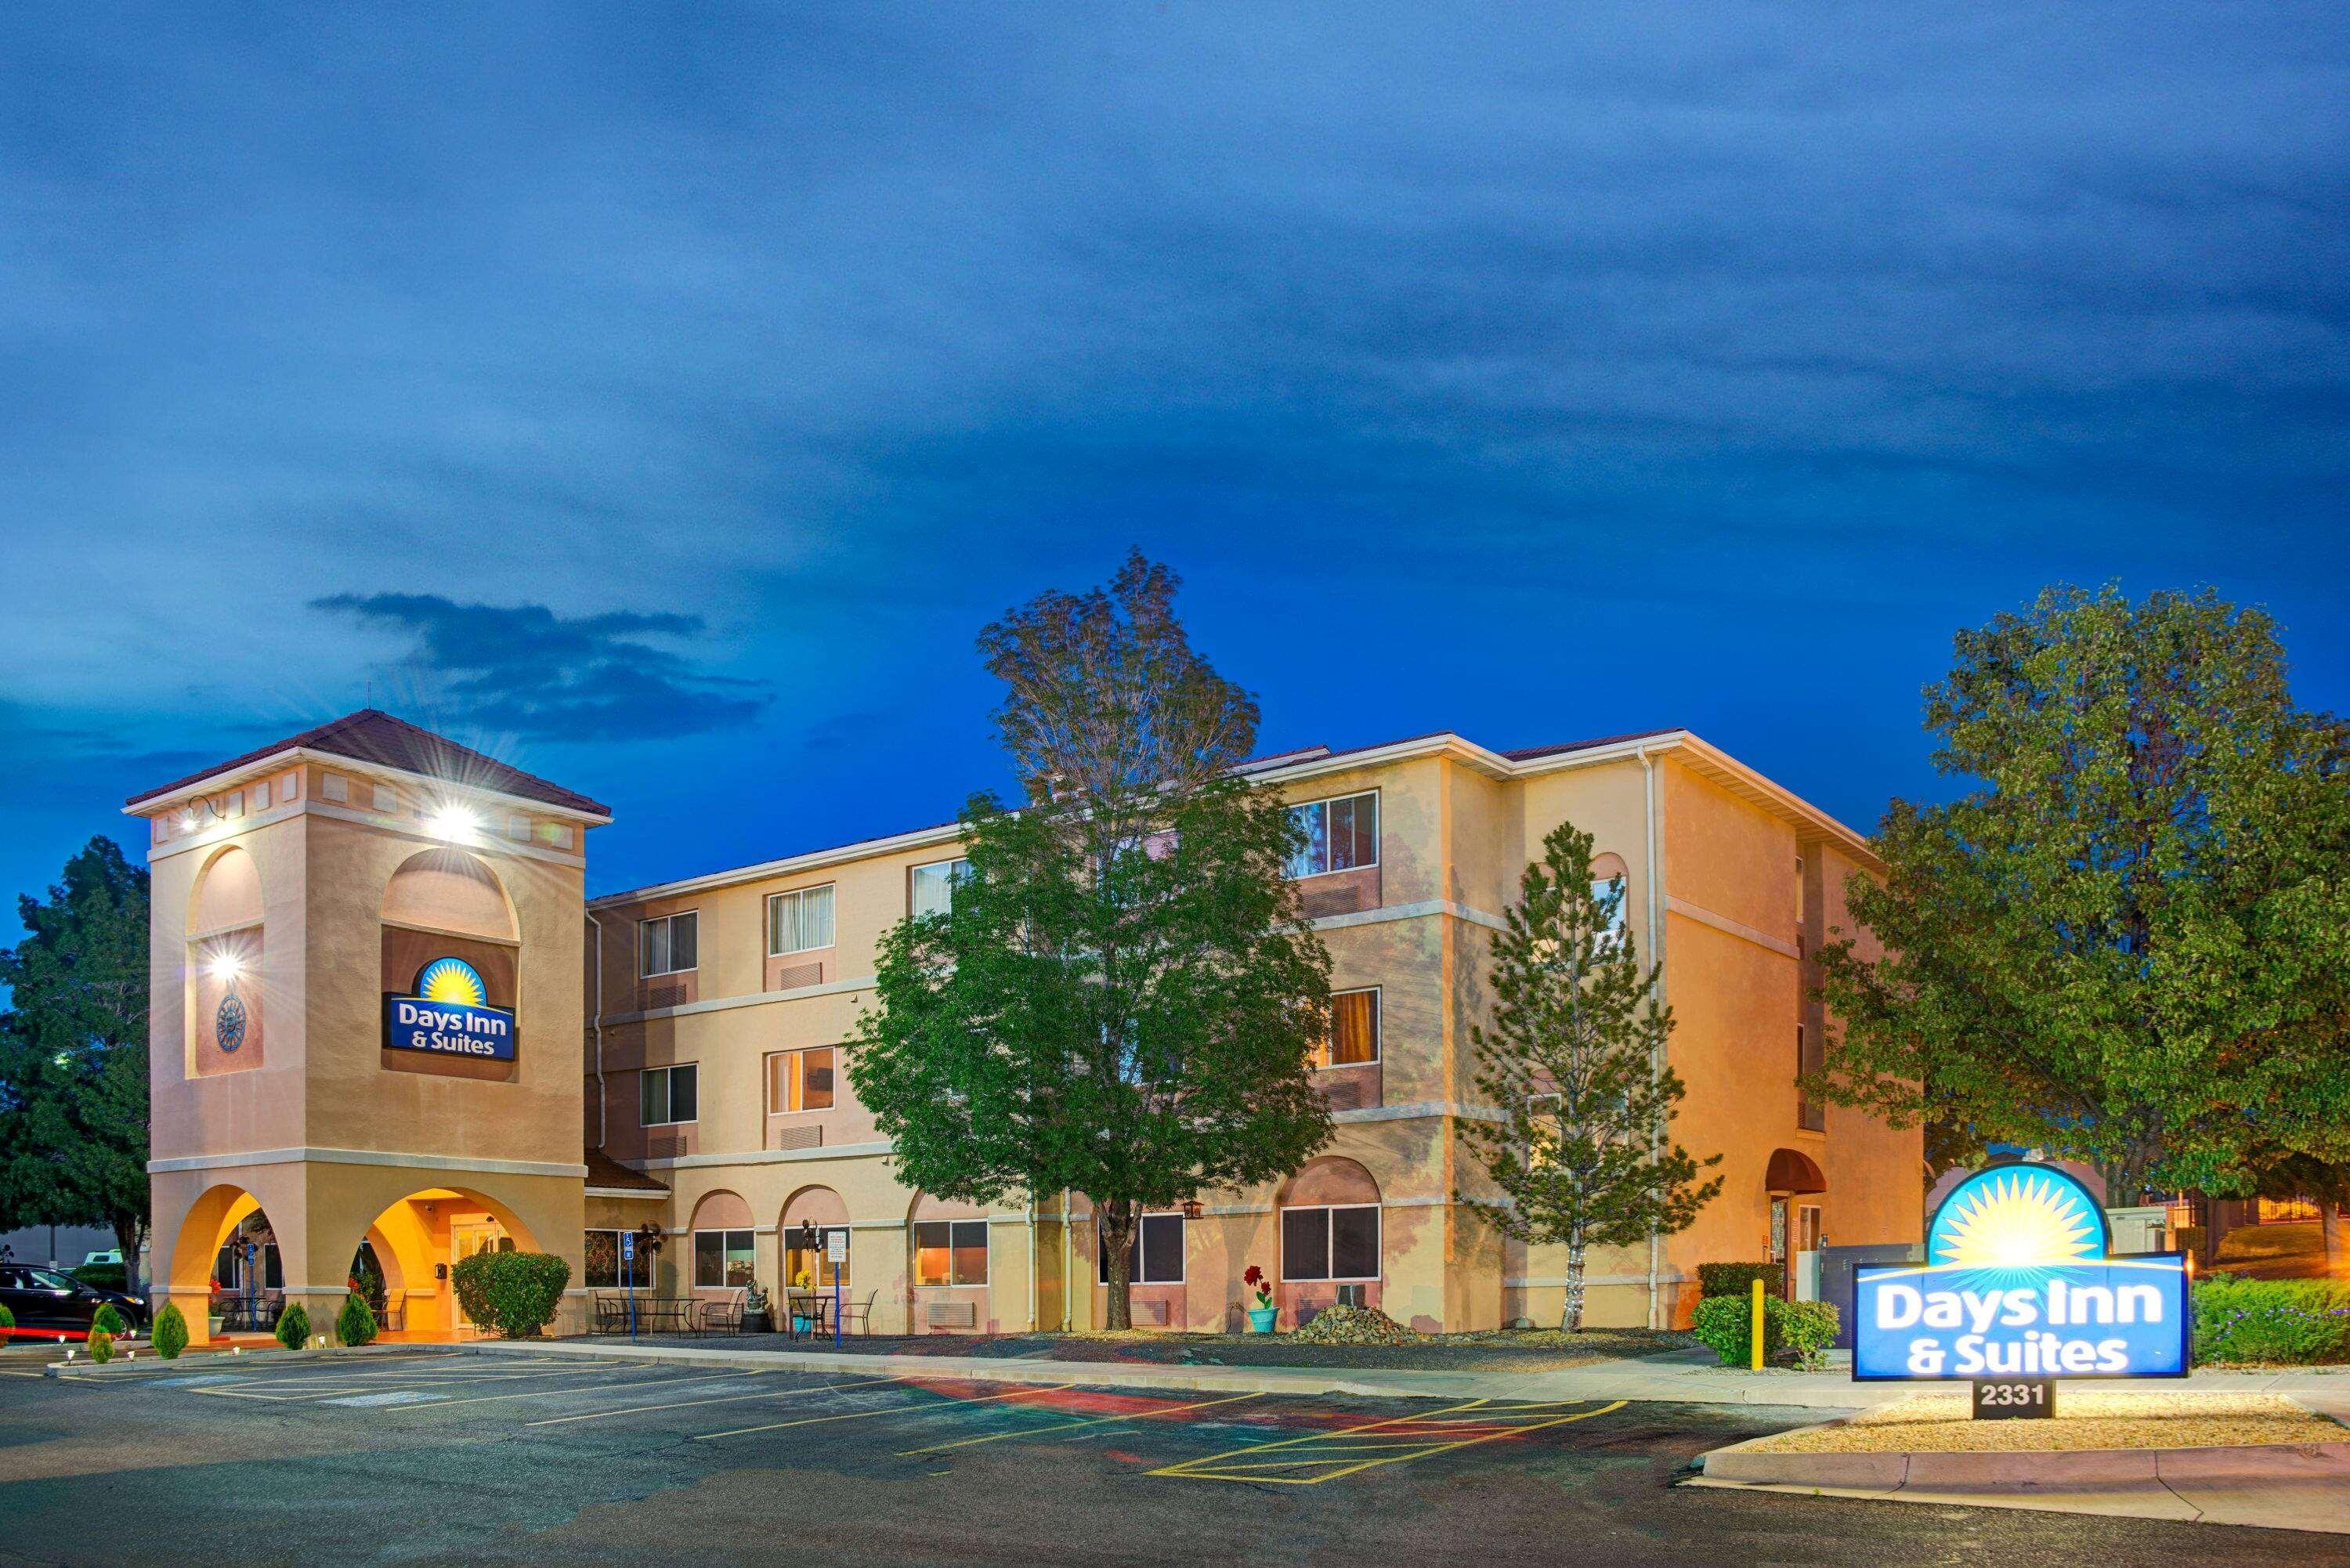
[1683, 1376]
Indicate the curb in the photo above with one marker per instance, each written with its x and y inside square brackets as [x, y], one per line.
[81, 1371]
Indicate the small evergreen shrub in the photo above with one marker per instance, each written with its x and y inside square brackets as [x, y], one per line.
[1798, 1330]
[294, 1327]
[170, 1333]
[356, 1324]
[514, 1292]
[102, 1276]
[107, 1318]
[102, 1347]
[1738, 1279]
[7, 1324]
[2296, 1321]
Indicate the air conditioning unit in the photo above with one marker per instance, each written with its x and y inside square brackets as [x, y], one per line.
[1350, 1295]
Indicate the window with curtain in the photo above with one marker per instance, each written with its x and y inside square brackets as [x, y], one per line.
[1353, 1029]
[950, 1252]
[723, 1257]
[930, 888]
[669, 945]
[1333, 1243]
[1341, 834]
[799, 921]
[667, 1095]
[1154, 1256]
[799, 1081]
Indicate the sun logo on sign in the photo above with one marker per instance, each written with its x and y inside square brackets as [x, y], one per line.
[452, 980]
[2015, 1219]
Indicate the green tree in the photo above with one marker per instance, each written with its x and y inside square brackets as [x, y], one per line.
[73, 1054]
[2128, 940]
[1124, 995]
[1574, 1057]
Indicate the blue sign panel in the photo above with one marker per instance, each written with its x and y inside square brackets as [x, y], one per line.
[449, 1015]
[2016, 1283]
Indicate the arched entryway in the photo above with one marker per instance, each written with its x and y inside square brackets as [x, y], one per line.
[228, 1268]
[1794, 1182]
[1331, 1241]
[416, 1240]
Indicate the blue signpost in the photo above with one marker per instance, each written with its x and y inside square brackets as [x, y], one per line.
[2017, 1291]
[835, 1252]
[628, 1273]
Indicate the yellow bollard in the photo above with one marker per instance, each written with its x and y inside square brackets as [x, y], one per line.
[1757, 1325]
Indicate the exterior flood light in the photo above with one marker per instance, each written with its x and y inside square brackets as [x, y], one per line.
[225, 966]
[453, 822]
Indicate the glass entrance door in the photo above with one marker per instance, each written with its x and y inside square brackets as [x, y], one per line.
[470, 1234]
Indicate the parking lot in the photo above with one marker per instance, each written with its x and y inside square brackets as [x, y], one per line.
[515, 1457]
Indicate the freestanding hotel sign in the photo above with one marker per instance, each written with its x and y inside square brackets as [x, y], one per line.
[2017, 1288]
[449, 1015]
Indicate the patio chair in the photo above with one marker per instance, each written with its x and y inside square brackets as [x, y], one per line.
[724, 1315]
[858, 1315]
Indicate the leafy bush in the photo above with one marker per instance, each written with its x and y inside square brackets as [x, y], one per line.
[102, 1347]
[170, 1333]
[1796, 1330]
[102, 1276]
[8, 1321]
[2297, 1322]
[356, 1326]
[294, 1327]
[107, 1318]
[514, 1292]
[1738, 1279]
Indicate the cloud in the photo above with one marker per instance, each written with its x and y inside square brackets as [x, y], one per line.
[526, 671]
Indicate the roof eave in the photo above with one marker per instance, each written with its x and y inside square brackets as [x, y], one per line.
[165, 800]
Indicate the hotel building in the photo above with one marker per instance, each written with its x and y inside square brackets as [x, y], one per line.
[383, 1012]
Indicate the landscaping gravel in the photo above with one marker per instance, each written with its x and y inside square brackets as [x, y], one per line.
[1940, 1424]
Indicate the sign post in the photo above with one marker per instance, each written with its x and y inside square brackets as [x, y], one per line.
[628, 1272]
[835, 1252]
[2016, 1291]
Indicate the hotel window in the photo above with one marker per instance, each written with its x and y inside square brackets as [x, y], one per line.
[1341, 834]
[799, 921]
[721, 1259]
[517, 826]
[1354, 1039]
[816, 1266]
[1340, 1243]
[335, 786]
[669, 945]
[1155, 1257]
[1611, 893]
[386, 799]
[930, 888]
[666, 1096]
[606, 1269]
[799, 1081]
[950, 1252]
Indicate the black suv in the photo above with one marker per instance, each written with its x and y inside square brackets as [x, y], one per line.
[47, 1303]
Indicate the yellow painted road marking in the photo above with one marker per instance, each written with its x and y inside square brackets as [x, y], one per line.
[952, 1404]
[1380, 1440]
[719, 1399]
[1072, 1426]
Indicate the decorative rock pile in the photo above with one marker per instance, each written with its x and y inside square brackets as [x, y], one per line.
[1353, 1325]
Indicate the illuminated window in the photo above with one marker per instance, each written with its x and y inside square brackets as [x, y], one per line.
[1154, 1256]
[669, 945]
[1335, 1243]
[815, 1266]
[799, 921]
[721, 1259]
[799, 1081]
[1353, 1030]
[950, 1252]
[666, 1096]
[1341, 834]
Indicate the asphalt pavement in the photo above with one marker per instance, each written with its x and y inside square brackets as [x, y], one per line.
[442, 1457]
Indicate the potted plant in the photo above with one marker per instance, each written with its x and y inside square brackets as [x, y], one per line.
[801, 1321]
[1261, 1316]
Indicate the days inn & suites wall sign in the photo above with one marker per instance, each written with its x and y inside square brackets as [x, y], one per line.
[449, 1015]
[2016, 1285]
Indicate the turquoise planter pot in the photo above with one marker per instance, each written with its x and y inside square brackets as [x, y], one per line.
[1260, 1319]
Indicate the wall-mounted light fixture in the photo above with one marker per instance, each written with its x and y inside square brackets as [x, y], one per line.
[455, 822]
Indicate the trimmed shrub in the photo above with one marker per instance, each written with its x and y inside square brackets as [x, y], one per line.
[8, 1323]
[1799, 1330]
[102, 1347]
[294, 1327]
[356, 1324]
[2296, 1321]
[107, 1318]
[1738, 1279]
[514, 1292]
[102, 1276]
[171, 1332]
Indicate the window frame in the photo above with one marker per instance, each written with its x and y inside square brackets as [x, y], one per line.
[954, 879]
[640, 1266]
[1378, 822]
[799, 1083]
[788, 1235]
[668, 1093]
[1379, 1031]
[1329, 1243]
[751, 1247]
[800, 896]
[950, 1282]
[1142, 1228]
[645, 947]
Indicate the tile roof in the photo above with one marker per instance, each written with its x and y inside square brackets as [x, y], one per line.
[603, 1170]
[372, 735]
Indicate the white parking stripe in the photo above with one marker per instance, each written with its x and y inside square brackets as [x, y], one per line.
[721, 1399]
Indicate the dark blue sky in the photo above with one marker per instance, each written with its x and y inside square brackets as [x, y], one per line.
[663, 399]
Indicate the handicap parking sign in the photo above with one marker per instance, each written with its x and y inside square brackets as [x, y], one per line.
[627, 1246]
